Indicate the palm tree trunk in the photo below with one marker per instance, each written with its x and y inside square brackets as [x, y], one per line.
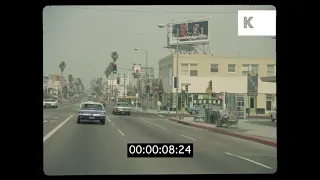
[61, 85]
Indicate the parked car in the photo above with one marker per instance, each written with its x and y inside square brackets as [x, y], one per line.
[195, 110]
[273, 114]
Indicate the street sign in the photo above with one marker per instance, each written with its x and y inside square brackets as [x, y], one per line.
[136, 70]
[252, 83]
[208, 90]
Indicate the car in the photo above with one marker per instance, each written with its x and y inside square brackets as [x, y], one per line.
[273, 114]
[104, 103]
[91, 112]
[50, 103]
[121, 108]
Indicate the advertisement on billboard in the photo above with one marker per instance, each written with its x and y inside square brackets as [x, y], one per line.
[136, 70]
[190, 32]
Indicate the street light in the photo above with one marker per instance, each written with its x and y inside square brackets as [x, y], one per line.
[147, 74]
[177, 69]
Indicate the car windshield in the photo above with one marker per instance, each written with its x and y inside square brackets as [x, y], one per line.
[91, 106]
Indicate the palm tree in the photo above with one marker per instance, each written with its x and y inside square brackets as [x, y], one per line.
[62, 66]
[114, 56]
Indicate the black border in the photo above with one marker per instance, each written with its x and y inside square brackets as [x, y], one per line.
[26, 30]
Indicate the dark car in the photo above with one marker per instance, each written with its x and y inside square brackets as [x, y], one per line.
[91, 112]
[103, 103]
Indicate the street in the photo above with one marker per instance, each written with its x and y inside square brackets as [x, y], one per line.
[94, 149]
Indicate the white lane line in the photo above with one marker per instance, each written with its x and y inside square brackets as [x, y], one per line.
[45, 121]
[115, 127]
[187, 137]
[153, 124]
[108, 119]
[121, 132]
[47, 136]
[248, 160]
[158, 114]
[55, 117]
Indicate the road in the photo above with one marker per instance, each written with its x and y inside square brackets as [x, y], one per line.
[92, 149]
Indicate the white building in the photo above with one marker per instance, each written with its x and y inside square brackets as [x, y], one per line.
[228, 75]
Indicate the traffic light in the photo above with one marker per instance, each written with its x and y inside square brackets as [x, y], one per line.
[148, 88]
[210, 84]
[118, 80]
[114, 68]
[186, 88]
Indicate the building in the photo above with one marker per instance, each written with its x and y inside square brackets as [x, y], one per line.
[228, 75]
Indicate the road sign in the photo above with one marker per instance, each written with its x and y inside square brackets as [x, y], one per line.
[252, 83]
[136, 70]
[208, 90]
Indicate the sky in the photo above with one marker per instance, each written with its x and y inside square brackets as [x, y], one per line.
[85, 36]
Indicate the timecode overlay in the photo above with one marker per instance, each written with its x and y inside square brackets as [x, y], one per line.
[160, 150]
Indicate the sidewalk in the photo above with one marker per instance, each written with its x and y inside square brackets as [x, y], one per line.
[156, 111]
[246, 130]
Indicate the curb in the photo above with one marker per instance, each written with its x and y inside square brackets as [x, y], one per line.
[234, 134]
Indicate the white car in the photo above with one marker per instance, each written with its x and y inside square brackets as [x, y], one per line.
[50, 103]
[273, 114]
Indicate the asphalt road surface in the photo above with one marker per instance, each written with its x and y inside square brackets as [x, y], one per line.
[94, 149]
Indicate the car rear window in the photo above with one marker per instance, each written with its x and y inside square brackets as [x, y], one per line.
[91, 106]
[123, 104]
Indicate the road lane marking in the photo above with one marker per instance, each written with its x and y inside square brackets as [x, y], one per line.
[45, 121]
[47, 136]
[55, 117]
[115, 126]
[158, 114]
[153, 124]
[248, 160]
[108, 119]
[187, 137]
[121, 132]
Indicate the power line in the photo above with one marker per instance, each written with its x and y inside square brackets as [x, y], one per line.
[141, 11]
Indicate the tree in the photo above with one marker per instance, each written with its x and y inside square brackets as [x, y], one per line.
[114, 56]
[62, 67]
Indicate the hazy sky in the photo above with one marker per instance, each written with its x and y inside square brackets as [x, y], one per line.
[85, 36]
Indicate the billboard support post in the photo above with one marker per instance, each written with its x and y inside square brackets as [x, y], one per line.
[177, 69]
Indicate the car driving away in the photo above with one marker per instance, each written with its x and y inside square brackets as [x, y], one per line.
[50, 103]
[91, 112]
[122, 108]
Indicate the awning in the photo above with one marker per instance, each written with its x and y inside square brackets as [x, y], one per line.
[269, 79]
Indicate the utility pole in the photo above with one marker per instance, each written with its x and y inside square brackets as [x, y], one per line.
[124, 86]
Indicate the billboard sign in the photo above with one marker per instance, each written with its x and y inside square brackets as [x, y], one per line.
[136, 70]
[192, 32]
[252, 83]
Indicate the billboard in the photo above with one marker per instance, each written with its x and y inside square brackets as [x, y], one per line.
[191, 32]
[136, 70]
